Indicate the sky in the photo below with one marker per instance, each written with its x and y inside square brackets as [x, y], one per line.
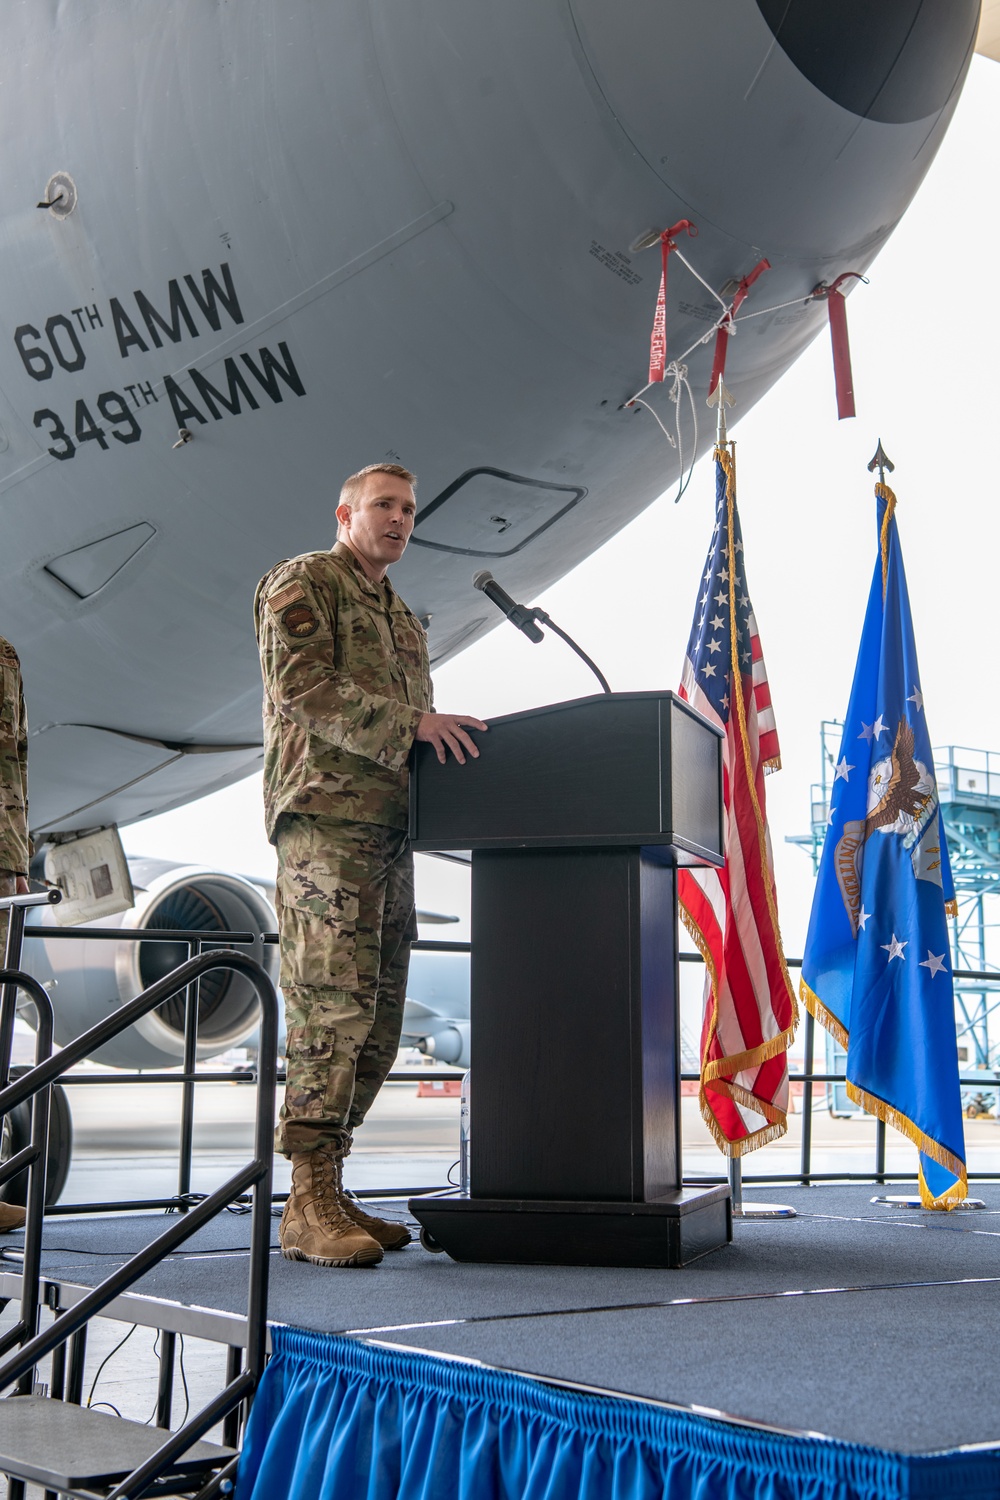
[923, 342]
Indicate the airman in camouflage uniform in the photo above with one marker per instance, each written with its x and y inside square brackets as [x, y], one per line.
[15, 848]
[347, 690]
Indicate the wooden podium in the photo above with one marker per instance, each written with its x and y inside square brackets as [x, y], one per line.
[577, 816]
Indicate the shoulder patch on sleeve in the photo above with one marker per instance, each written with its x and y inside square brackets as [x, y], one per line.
[300, 621]
[284, 597]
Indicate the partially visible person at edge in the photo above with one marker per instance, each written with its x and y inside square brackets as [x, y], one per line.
[347, 691]
[15, 848]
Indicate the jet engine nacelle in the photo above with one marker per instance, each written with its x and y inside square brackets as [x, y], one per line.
[88, 979]
[436, 1014]
[449, 1042]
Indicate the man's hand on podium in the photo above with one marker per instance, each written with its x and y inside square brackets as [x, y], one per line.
[447, 732]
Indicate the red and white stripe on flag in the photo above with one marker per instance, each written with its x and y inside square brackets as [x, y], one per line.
[750, 1011]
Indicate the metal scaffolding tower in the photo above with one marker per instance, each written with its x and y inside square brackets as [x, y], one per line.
[968, 784]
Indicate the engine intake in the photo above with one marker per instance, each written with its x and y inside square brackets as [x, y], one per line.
[91, 978]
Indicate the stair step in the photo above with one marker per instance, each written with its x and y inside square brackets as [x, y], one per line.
[66, 1447]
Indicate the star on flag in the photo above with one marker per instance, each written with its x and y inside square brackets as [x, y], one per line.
[934, 962]
[871, 732]
[894, 949]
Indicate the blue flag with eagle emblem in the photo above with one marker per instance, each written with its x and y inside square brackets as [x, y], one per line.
[877, 967]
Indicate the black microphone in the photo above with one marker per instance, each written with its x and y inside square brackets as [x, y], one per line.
[523, 618]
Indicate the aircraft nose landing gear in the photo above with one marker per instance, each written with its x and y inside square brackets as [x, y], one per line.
[15, 1134]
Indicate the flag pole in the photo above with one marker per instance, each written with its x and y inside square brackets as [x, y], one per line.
[722, 397]
[744, 1210]
[735, 1174]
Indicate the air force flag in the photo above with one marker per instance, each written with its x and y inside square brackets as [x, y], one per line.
[877, 967]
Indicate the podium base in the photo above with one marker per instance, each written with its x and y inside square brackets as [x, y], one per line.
[674, 1231]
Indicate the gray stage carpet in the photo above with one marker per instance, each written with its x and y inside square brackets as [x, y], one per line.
[856, 1321]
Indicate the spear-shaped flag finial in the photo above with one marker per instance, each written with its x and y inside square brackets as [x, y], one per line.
[721, 398]
[881, 461]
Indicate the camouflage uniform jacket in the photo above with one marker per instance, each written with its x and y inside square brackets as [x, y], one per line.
[346, 679]
[15, 848]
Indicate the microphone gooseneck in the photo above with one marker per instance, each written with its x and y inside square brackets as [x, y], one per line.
[527, 620]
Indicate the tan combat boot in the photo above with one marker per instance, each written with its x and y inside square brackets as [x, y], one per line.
[11, 1217]
[314, 1226]
[385, 1233]
[389, 1235]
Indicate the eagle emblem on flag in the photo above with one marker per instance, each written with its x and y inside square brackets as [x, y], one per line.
[902, 798]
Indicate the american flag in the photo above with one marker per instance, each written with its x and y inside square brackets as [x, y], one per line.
[750, 1011]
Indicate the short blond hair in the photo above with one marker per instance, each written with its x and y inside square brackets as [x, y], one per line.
[350, 490]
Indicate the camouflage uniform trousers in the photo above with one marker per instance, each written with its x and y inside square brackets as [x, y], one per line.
[346, 914]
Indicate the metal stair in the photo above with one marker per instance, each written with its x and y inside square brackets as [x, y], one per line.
[76, 1450]
[81, 1452]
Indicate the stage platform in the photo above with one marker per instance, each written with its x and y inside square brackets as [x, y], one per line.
[854, 1321]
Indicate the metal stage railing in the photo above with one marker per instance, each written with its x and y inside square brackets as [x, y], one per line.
[189, 1077]
[808, 1077]
[254, 1177]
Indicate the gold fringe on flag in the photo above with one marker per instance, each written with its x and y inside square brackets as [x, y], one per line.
[757, 1138]
[873, 1105]
[816, 1008]
[777, 1125]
